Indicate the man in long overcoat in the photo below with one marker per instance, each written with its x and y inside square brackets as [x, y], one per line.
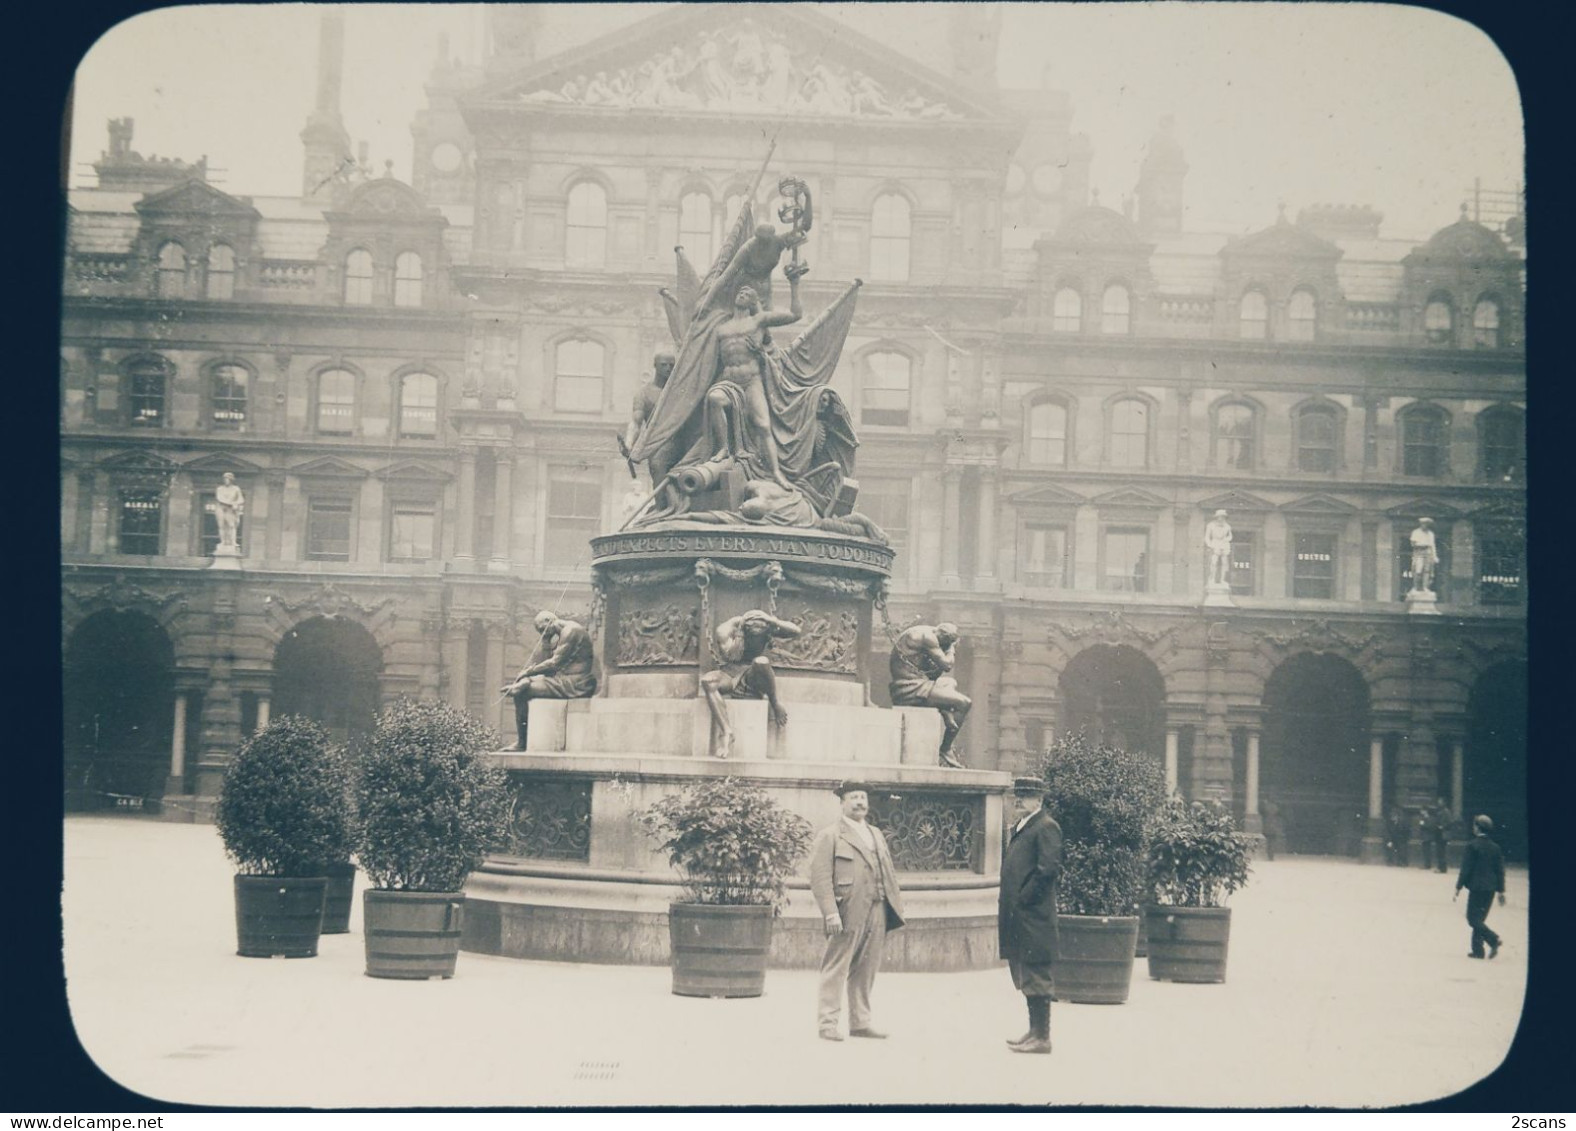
[854, 883]
[1026, 917]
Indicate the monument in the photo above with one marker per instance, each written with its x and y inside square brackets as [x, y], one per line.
[229, 504]
[739, 620]
[1421, 598]
[1217, 545]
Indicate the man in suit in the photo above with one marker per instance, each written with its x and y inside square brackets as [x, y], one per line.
[1026, 913]
[1483, 875]
[855, 886]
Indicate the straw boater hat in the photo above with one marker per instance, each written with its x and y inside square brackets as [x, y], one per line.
[1028, 787]
[1220, 514]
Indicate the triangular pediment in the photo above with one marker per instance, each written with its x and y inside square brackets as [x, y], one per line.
[1285, 241]
[1235, 501]
[387, 199]
[139, 463]
[217, 463]
[197, 197]
[1130, 497]
[1046, 496]
[412, 471]
[328, 467]
[740, 59]
[1318, 504]
[1417, 508]
[1508, 510]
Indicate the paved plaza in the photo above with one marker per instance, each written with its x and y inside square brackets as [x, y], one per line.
[1348, 986]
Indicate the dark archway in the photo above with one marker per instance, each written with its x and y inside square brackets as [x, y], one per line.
[1118, 696]
[327, 669]
[1494, 764]
[119, 699]
[1315, 753]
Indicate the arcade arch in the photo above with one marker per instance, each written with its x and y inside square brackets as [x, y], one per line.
[1494, 768]
[1116, 694]
[1316, 753]
[327, 669]
[119, 697]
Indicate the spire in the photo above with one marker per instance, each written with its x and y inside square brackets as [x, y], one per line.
[1160, 178]
[324, 140]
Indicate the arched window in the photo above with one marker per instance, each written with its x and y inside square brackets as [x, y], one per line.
[221, 271]
[1129, 433]
[586, 245]
[227, 394]
[1067, 315]
[1502, 444]
[172, 271]
[358, 277]
[1317, 432]
[336, 402]
[1048, 434]
[1485, 324]
[885, 396]
[1115, 310]
[730, 210]
[1424, 441]
[1253, 316]
[1302, 316]
[418, 406]
[145, 393]
[407, 279]
[695, 229]
[578, 367]
[1439, 319]
[1234, 436]
[889, 237]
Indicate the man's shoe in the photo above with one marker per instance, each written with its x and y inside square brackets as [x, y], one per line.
[1035, 1045]
[1493, 949]
[873, 1034]
[831, 1035]
[1471, 954]
[1023, 1040]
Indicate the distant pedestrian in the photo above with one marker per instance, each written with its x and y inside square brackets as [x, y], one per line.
[1436, 821]
[1026, 915]
[854, 883]
[1483, 875]
[1274, 828]
[1396, 831]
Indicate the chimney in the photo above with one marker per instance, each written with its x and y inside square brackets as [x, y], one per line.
[1160, 179]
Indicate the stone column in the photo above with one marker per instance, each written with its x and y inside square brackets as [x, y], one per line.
[264, 705]
[177, 779]
[951, 526]
[1172, 739]
[1252, 822]
[503, 511]
[455, 652]
[1457, 767]
[503, 713]
[465, 524]
[1372, 851]
[985, 560]
[274, 530]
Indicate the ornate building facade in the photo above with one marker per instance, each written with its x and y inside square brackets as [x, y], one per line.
[417, 387]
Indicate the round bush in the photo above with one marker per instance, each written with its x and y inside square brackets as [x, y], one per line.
[431, 803]
[729, 841]
[285, 806]
[1196, 856]
[1104, 799]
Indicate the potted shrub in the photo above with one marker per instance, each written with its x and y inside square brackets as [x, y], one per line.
[733, 847]
[1105, 800]
[431, 803]
[283, 813]
[1196, 860]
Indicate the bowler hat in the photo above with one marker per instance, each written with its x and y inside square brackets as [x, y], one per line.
[1483, 823]
[852, 787]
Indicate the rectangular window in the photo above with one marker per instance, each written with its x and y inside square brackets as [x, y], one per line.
[1126, 566]
[141, 522]
[328, 527]
[146, 399]
[1316, 441]
[1242, 561]
[886, 503]
[413, 533]
[1313, 565]
[574, 514]
[1423, 446]
[229, 397]
[1501, 564]
[1044, 559]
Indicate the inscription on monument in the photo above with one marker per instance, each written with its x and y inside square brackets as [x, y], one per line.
[755, 544]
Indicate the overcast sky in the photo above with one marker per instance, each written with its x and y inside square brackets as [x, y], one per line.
[1393, 106]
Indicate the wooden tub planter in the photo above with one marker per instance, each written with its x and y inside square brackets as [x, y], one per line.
[1188, 944]
[1094, 958]
[278, 916]
[337, 899]
[412, 934]
[719, 951]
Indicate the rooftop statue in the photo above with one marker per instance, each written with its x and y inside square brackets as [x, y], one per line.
[737, 407]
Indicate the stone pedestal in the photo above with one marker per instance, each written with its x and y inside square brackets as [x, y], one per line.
[1217, 595]
[225, 557]
[1422, 602]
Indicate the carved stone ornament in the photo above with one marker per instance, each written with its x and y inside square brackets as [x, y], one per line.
[824, 645]
[331, 601]
[1111, 627]
[669, 635]
[121, 594]
[1316, 634]
[745, 67]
